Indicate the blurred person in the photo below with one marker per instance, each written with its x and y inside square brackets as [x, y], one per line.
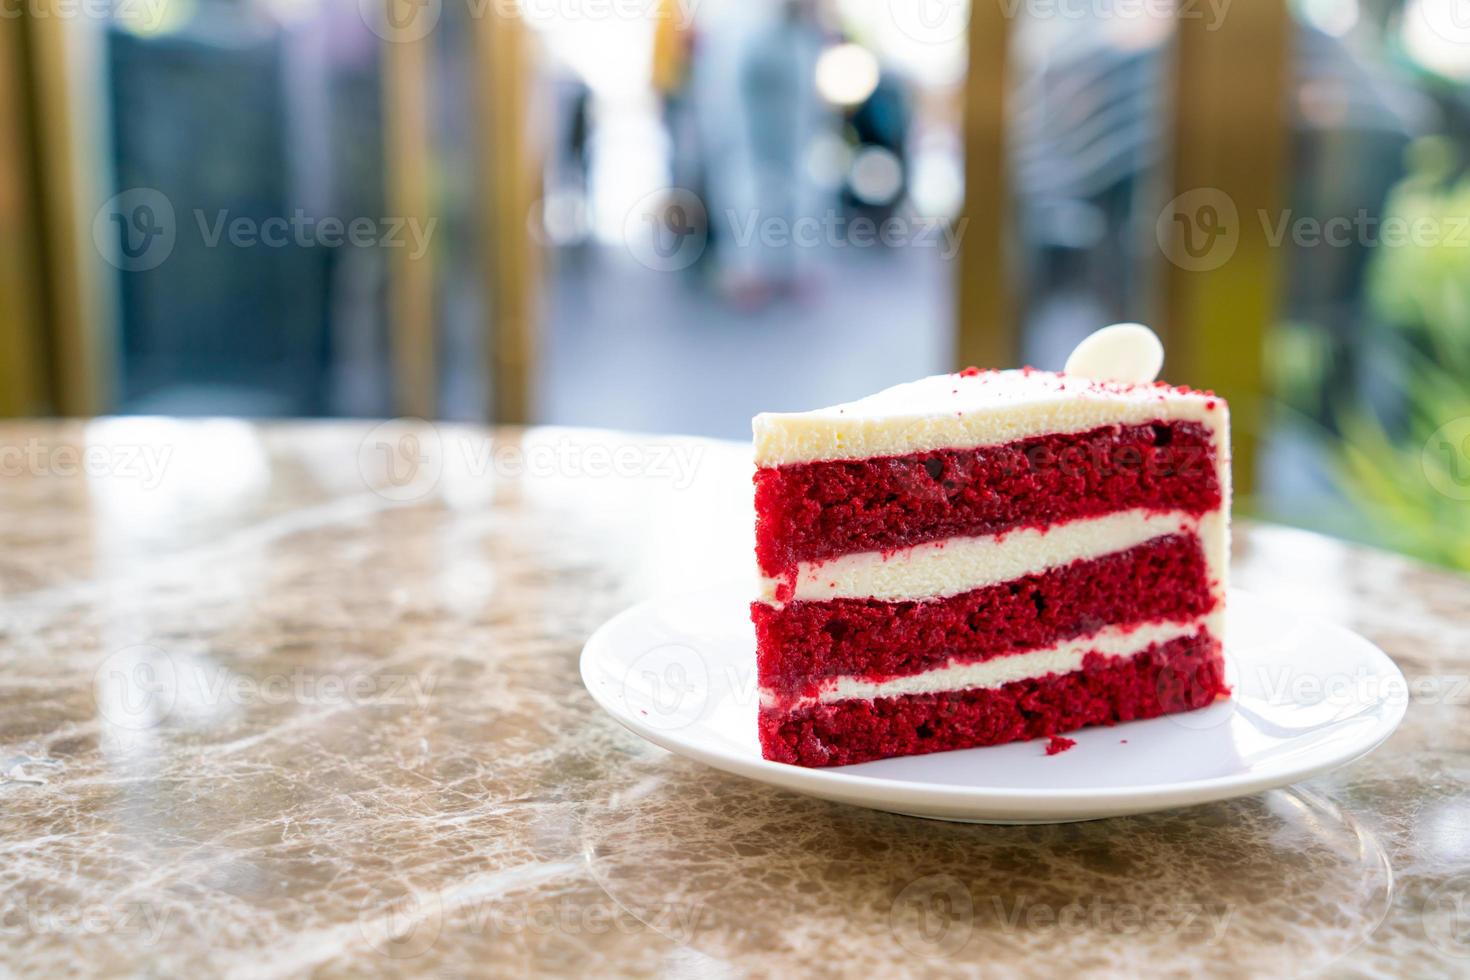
[753, 85]
[674, 43]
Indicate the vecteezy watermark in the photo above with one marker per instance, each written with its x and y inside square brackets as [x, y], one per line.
[933, 916]
[1445, 459]
[679, 921]
[25, 917]
[307, 231]
[1195, 922]
[1449, 20]
[1212, 12]
[143, 686]
[143, 15]
[1352, 690]
[669, 229]
[406, 21]
[399, 921]
[681, 13]
[1446, 916]
[138, 230]
[144, 463]
[668, 687]
[1365, 230]
[401, 459]
[1201, 229]
[401, 21]
[404, 459]
[931, 21]
[402, 922]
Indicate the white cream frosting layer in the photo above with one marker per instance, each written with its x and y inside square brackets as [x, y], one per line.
[950, 411]
[1061, 658]
[944, 568]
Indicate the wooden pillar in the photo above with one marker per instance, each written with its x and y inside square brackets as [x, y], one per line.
[408, 185]
[503, 76]
[24, 384]
[986, 333]
[1221, 276]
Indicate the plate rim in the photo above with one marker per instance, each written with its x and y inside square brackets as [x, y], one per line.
[875, 790]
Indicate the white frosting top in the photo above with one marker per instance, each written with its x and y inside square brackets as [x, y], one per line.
[975, 409]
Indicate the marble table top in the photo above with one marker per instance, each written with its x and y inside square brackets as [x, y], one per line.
[287, 699]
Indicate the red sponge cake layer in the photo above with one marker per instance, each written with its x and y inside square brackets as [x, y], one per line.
[800, 644]
[1181, 675]
[818, 510]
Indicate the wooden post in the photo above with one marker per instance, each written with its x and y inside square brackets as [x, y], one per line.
[408, 172]
[67, 194]
[986, 332]
[1221, 275]
[24, 386]
[503, 71]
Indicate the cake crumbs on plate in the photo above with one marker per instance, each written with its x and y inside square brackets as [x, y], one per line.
[1059, 744]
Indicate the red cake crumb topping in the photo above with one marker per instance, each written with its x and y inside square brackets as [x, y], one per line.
[802, 643]
[812, 511]
[970, 372]
[1181, 675]
[1059, 744]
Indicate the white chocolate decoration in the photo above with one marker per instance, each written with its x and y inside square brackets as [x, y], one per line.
[1129, 353]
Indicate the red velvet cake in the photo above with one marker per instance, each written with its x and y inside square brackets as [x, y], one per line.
[989, 556]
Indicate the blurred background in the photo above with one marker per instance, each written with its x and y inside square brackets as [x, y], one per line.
[667, 215]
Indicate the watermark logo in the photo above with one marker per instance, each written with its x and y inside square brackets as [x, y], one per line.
[399, 921]
[933, 917]
[1199, 230]
[136, 230]
[143, 463]
[401, 21]
[1212, 12]
[401, 459]
[1446, 917]
[1187, 690]
[1195, 923]
[571, 11]
[143, 922]
[405, 459]
[1447, 19]
[931, 21]
[142, 687]
[1364, 230]
[144, 16]
[1445, 459]
[668, 687]
[310, 231]
[667, 230]
[136, 687]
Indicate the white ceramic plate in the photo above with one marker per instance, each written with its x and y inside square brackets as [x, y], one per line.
[1309, 696]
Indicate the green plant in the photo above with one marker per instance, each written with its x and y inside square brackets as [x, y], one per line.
[1409, 474]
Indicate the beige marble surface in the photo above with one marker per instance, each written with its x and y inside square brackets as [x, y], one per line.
[304, 699]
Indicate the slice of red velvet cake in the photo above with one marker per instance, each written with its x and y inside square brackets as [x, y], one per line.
[988, 556]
